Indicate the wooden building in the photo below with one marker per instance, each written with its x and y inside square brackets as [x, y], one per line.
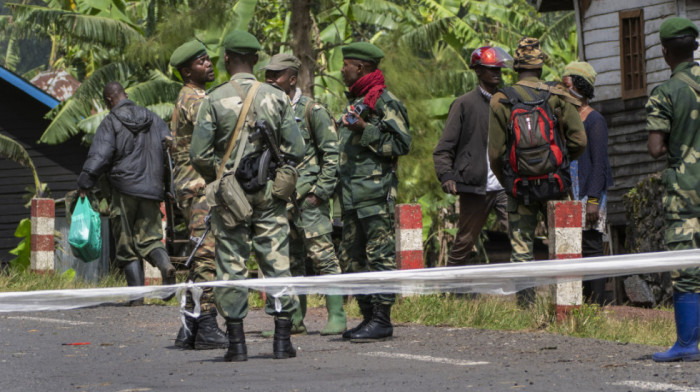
[22, 110]
[620, 39]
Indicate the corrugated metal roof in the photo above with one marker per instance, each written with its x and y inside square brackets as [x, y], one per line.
[28, 88]
[58, 83]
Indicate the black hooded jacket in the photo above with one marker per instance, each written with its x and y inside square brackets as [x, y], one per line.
[129, 145]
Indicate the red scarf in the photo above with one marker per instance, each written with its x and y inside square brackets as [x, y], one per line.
[370, 86]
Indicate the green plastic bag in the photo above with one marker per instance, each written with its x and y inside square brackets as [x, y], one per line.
[85, 237]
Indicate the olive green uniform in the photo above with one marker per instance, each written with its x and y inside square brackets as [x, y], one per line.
[268, 229]
[367, 186]
[673, 108]
[189, 191]
[522, 219]
[310, 234]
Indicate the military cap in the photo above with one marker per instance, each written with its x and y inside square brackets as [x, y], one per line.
[362, 51]
[528, 55]
[677, 27]
[239, 41]
[582, 69]
[283, 61]
[186, 52]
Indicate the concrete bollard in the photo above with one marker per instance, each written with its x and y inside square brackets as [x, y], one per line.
[43, 213]
[409, 236]
[565, 231]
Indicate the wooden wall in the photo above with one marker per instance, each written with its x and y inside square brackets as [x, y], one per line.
[22, 118]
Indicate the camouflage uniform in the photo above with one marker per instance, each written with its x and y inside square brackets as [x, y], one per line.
[522, 219]
[189, 191]
[310, 230]
[367, 179]
[268, 229]
[673, 109]
[142, 219]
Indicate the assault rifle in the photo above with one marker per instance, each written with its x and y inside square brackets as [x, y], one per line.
[199, 241]
[272, 152]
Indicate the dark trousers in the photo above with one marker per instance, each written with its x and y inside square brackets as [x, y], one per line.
[592, 246]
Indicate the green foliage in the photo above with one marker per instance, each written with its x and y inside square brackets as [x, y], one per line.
[24, 248]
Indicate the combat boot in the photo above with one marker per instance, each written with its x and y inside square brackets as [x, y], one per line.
[282, 344]
[185, 336]
[298, 327]
[366, 310]
[133, 272]
[337, 321]
[159, 259]
[237, 350]
[378, 328]
[686, 307]
[209, 336]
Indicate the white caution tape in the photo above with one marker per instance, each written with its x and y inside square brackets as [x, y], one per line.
[489, 278]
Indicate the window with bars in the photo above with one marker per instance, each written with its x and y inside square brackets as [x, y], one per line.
[632, 54]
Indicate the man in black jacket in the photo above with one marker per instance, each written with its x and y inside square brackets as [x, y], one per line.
[461, 161]
[129, 146]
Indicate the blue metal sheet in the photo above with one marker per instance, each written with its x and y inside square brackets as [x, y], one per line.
[28, 88]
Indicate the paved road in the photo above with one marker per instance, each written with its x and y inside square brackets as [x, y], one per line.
[131, 349]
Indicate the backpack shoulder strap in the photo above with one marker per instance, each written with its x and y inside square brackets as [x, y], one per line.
[512, 95]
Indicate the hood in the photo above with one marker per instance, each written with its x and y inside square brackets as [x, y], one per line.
[133, 117]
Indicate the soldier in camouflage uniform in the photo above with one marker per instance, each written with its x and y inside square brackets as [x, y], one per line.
[193, 63]
[267, 230]
[522, 218]
[674, 130]
[310, 228]
[374, 132]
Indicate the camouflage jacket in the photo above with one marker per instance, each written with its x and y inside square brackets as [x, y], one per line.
[499, 120]
[217, 119]
[318, 172]
[367, 168]
[673, 109]
[186, 180]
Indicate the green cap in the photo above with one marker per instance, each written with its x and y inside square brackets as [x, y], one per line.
[582, 69]
[186, 52]
[362, 51]
[239, 41]
[282, 61]
[677, 27]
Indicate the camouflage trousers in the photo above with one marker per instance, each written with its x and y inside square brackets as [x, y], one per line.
[522, 221]
[268, 232]
[203, 267]
[683, 234]
[369, 244]
[137, 227]
[310, 237]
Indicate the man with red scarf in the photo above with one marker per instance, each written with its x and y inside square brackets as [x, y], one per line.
[373, 133]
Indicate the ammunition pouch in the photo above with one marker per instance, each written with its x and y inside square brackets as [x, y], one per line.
[285, 182]
[228, 199]
[252, 172]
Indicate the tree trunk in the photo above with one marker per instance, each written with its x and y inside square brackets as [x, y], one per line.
[302, 45]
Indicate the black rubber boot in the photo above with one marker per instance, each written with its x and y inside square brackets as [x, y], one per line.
[367, 311]
[185, 337]
[282, 344]
[134, 277]
[377, 329]
[159, 258]
[209, 336]
[237, 350]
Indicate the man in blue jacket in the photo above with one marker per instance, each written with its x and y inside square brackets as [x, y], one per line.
[129, 146]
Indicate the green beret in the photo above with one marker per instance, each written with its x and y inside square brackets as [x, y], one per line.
[283, 61]
[239, 41]
[362, 51]
[582, 69]
[677, 27]
[186, 52]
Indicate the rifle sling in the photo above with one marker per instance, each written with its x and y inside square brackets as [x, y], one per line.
[552, 89]
[688, 80]
[239, 125]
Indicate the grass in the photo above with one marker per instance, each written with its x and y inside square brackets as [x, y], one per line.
[448, 310]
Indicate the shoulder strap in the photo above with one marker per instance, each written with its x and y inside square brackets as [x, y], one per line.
[239, 124]
[688, 80]
[551, 88]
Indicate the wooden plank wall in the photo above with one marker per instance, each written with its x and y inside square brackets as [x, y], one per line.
[626, 119]
[22, 118]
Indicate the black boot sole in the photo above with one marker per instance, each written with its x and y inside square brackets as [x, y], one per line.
[284, 355]
[368, 340]
[209, 346]
[236, 358]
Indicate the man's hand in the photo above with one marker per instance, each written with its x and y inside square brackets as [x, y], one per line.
[357, 126]
[313, 200]
[450, 186]
[82, 192]
[591, 213]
